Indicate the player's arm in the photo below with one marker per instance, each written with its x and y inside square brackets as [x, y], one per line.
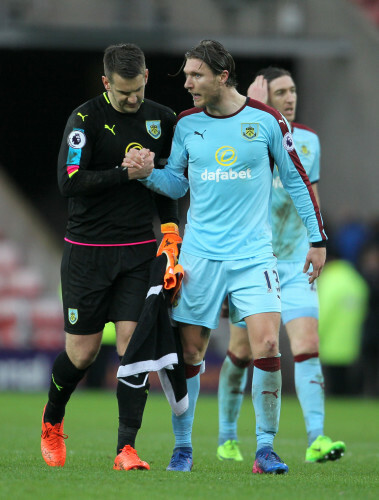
[74, 177]
[170, 180]
[315, 190]
[296, 182]
[315, 255]
[314, 171]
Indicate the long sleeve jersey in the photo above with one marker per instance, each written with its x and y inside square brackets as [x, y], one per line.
[289, 235]
[230, 162]
[104, 206]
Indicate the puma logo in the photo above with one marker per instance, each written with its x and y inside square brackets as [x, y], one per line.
[275, 393]
[109, 128]
[59, 387]
[200, 134]
[83, 117]
[281, 121]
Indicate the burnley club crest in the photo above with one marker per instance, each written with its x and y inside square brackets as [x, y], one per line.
[153, 128]
[249, 131]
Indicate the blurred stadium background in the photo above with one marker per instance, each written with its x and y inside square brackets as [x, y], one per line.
[51, 61]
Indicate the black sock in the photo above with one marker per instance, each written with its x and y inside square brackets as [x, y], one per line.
[64, 379]
[131, 405]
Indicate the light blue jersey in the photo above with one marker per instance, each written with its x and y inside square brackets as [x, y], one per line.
[290, 239]
[230, 160]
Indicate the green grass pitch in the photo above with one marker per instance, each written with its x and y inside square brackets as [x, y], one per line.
[91, 423]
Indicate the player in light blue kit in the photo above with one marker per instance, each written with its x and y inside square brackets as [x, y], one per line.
[229, 143]
[276, 87]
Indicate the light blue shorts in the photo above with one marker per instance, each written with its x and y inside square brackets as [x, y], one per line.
[252, 287]
[299, 298]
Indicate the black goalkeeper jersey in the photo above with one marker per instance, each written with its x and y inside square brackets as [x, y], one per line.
[104, 207]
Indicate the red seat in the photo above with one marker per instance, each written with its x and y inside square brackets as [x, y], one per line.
[25, 282]
[47, 324]
[14, 316]
[10, 257]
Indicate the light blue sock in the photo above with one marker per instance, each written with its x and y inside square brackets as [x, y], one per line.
[231, 387]
[266, 389]
[182, 425]
[309, 383]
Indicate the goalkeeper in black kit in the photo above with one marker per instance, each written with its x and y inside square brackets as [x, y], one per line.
[109, 243]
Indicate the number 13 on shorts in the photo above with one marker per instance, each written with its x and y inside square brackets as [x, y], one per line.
[275, 281]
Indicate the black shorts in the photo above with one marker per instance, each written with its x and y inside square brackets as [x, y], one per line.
[101, 284]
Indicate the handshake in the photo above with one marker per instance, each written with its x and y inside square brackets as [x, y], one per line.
[139, 162]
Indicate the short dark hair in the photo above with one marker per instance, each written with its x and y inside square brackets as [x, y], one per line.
[217, 57]
[272, 72]
[125, 59]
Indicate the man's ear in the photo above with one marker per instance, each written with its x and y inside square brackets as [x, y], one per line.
[224, 76]
[106, 83]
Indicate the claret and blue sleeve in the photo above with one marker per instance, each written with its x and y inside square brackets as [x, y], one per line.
[230, 162]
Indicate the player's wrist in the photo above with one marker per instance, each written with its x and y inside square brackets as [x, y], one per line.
[318, 244]
[123, 174]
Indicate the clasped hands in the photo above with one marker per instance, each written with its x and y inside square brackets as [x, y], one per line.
[139, 162]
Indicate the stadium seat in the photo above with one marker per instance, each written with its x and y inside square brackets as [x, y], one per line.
[25, 282]
[10, 257]
[14, 323]
[47, 324]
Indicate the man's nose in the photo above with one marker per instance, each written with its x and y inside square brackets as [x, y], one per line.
[188, 83]
[290, 97]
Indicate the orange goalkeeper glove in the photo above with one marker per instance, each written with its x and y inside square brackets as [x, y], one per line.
[171, 240]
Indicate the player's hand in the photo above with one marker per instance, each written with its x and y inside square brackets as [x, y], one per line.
[140, 163]
[315, 256]
[171, 240]
[259, 89]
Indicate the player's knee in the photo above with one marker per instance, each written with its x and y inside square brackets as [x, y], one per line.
[194, 343]
[192, 356]
[306, 345]
[193, 353]
[241, 351]
[239, 343]
[82, 359]
[240, 360]
[270, 346]
[313, 343]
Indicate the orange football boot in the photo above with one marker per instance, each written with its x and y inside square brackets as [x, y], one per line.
[128, 459]
[52, 443]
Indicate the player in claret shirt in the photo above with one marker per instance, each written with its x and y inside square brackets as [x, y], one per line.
[275, 86]
[230, 144]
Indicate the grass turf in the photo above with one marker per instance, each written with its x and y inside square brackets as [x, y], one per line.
[91, 423]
